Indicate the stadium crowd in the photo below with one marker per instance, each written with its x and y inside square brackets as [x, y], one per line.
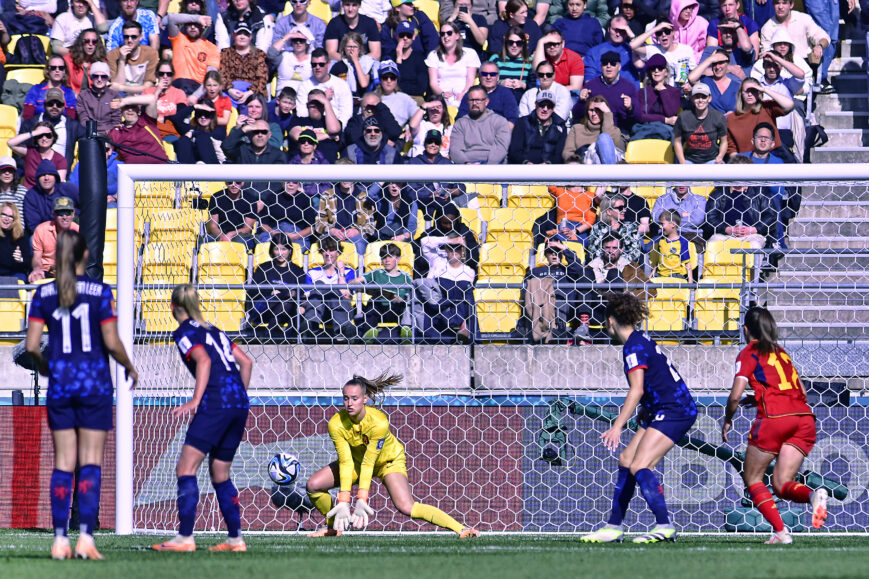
[418, 82]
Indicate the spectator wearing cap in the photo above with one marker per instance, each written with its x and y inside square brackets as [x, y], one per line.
[361, 68]
[436, 194]
[192, 55]
[11, 188]
[232, 216]
[321, 118]
[700, 132]
[56, 76]
[243, 66]
[290, 211]
[401, 105]
[244, 13]
[309, 155]
[473, 27]
[723, 85]
[290, 56]
[580, 29]
[482, 137]
[299, 16]
[432, 114]
[569, 67]
[67, 128]
[410, 62]
[350, 20]
[45, 238]
[371, 105]
[501, 99]
[94, 102]
[545, 74]
[137, 137]
[36, 146]
[39, 199]
[618, 40]
[130, 11]
[199, 142]
[132, 65]
[680, 59]
[619, 92]
[538, 138]
[373, 149]
[658, 102]
[336, 90]
[426, 38]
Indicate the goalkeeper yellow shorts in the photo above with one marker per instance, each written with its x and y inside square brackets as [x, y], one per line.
[398, 464]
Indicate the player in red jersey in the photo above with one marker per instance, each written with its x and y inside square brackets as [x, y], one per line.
[784, 429]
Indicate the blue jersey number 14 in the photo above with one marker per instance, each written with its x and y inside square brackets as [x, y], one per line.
[224, 349]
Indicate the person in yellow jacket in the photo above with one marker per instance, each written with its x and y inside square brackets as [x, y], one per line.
[366, 448]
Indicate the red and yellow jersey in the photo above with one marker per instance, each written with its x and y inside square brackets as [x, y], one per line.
[367, 444]
[775, 382]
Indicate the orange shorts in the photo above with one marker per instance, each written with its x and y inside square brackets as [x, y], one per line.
[769, 434]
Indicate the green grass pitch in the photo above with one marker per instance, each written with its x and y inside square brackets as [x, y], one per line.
[25, 554]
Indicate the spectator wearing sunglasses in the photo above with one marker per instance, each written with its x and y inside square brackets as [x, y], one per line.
[130, 12]
[680, 58]
[569, 67]
[94, 102]
[55, 77]
[35, 146]
[410, 62]
[133, 65]
[87, 49]
[538, 138]
[515, 64]
[336, 89]
[501, 98]
[299, 16]
[618, 40]
[244, 13]
[68, 130]
[290, 55]
[249, 145]
[199, 141]
[372, 149]
[82, 15]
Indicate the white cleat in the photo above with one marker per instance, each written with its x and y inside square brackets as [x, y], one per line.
[782, 537]
[819, 508]
[605, 535]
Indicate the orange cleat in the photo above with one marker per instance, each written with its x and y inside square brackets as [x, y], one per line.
[60, 549]
[226, 546]
[86, 549]
[175, 545]
[469, 533]
[324, 532]
[819, 508]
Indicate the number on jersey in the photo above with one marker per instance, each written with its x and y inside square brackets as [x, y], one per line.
[80, 313]
[673, 371]
[783, 382]
[224, 349]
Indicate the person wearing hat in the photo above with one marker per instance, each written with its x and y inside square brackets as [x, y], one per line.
[94, 102]
[401, 105]
[545, 73]
[434, 195]
[130, 11]
[67, 128]
[658, 102]
[253, 17]
[426, 35]
[350, 20]
[371, 105]
[45, 238]
[501, 99]
[40, 199]
[192, 55]
[321, 118]
[199, 141]
[538, 138]
[299, 16]
[11, 188]
[619, 92]
[410, 62]
[700, 132]
[309, 155]
[618, 40]
[336, 89]
[133, 65]
[55, 77]
[373, 149]
[243, 66]
[679, 58]
[290, 55]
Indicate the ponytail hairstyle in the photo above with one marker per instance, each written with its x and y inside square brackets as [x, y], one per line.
[373, 388]
[184, 296]
[71, 250]
[762, 327]
[626, 308]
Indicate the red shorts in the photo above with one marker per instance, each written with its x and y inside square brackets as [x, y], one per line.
[769, 434]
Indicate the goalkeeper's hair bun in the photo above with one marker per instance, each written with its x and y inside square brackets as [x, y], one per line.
[373, 388]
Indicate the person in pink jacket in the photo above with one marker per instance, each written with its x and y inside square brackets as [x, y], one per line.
[689, 26]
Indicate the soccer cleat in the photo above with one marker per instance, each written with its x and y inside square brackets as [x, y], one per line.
[175, 545]
[60, 549]
[819, 508]
[657, 535]
[238, 547]
[86, 549]
[604, 535]
[469, 533]
[324, 532]
[782, 537]
[371, 335]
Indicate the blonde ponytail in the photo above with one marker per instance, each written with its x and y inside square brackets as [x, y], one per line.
[184, 296]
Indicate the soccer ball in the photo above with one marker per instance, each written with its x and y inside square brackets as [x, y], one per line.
[284, 468]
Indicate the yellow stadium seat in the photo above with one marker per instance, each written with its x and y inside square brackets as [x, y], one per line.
[8, 125]
[348, 255]
[169, 262]
[261, 254]
[530, 197]
[27, 75]
[718, 261]
[452, 111]
[574, 246]
[431, 8]
[13, 40]
[649, 191]
[319, 8]
[110, 262]
[499, 260]
[174, 7]
[225, 260]
[649, 151]
[509, 226]
[156, 312]
[668, 309]
[488, 194]
[498, 310]
[420, 224]
[223, 307]
[175, 225]
[13, 311]
[154, 195]
[702, 190]
[716, 309]
[372, 256]
[233, 119]
[472, 218]
[111, 225]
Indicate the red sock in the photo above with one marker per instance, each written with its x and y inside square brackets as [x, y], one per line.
[796, 492]
[762, 499]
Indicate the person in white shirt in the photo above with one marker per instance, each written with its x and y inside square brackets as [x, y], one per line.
[336, 89]
[82, 14]
[546, 75]
[376, 9]
[809, 39]
[293, 66]
[680, 57]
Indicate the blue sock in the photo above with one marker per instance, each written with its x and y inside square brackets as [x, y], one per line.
[622, 495]
[89, 482]
[188, 499]
[654, 495]
[61, 497]
[227, 498]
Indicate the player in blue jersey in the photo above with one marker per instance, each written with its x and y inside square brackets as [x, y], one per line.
[667, 412]
[221, 406]
[82, 327]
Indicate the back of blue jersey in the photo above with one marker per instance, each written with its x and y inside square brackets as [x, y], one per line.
[664, 390]
[225, 388]
[77, 358]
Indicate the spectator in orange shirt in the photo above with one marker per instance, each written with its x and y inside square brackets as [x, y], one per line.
[45, 238]
[574, 210]
[192, 55]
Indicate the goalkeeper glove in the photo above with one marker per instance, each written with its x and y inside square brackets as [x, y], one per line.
[362, 511]
[341, 513]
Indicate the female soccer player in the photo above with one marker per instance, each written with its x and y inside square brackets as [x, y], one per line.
[784, 429]
[667, 412]
[83, 332]
[221, 406]
[367, 448]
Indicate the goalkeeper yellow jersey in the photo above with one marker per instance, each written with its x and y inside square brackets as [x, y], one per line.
[365, 446]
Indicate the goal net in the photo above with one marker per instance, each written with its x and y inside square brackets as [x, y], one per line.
[510, 378]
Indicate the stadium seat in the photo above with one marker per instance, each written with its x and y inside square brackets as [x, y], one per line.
[261, 254]
[503, 260]
[13, 311]
[431, 8]
[110, 262]
[224, 260]
[233, 119]
[498, 310]
[348, 255]
[156, 313]
[169, 150]
[472, 218]
[718, 261]
[10, 48]
[169, 262]
[649, 151]
[530, 197]
[648, 192]
[372, 256]
[175, 225]
[420, 224]
[488, 194]
[716, 309]
[510, 225]
[668, 309]
[319, 8]
[222, 307]
[111, 225]
[8, 127]
[27, 75]
[574, 246]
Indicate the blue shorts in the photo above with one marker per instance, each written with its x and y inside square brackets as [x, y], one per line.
[672, 428]
[93, 412]
[217, 433]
